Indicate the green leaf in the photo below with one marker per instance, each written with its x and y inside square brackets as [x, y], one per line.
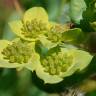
[73, 36]
[93, 25]
[90, 13]
[89, 16]
[76, 9]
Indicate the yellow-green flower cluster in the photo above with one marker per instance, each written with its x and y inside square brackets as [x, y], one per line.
[21, 52]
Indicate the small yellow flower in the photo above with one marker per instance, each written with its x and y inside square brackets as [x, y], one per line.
[33, 24]
[56, 65]
[17, 53]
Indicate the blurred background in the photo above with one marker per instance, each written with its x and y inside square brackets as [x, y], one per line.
[14, 83]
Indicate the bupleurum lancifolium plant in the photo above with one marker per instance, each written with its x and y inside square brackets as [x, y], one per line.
[53, 59]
